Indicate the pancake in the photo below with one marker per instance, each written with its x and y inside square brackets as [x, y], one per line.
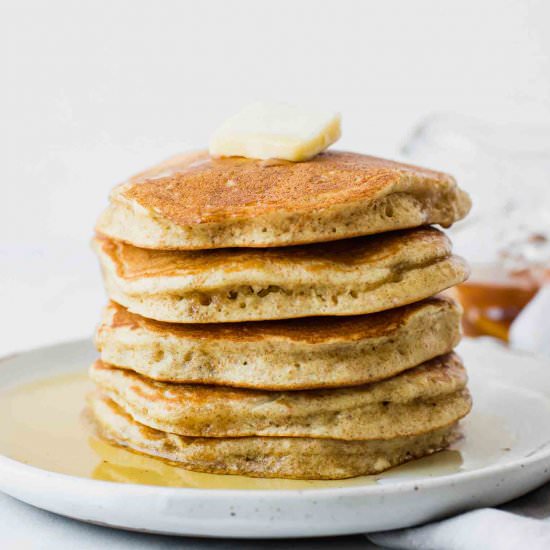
[271, 457]
[293, 354]
[193, 201]
[419, 400]
[350, 277]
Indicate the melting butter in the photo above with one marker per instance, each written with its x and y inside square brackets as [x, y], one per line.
[276, 131]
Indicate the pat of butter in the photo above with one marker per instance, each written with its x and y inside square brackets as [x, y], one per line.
[275, 130]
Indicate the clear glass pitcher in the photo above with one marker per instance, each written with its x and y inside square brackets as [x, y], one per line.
[506, 238]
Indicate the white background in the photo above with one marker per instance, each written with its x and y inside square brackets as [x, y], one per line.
[94, 91]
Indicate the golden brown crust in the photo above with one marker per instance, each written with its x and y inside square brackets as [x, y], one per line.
[269, 457]
[425, 381]
[309, 353]
[195, 202]
[309, 330]
[350, 277]
[427, 397]
[195, 188]
[134, 263]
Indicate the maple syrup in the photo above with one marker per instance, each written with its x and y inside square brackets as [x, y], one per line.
[41, 424]
[492, 299]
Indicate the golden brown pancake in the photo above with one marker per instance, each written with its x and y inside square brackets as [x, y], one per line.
[293, 354]
[271, 457]
[419, 400]
[350, 277]
[193, 201]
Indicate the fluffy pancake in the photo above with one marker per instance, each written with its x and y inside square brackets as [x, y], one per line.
[419, 400]
[350, 277]
[283, 457]
[292, 354]
[193, 201]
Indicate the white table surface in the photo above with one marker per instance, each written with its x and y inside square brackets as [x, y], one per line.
[25, 527]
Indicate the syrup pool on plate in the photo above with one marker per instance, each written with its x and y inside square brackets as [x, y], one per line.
[41, 424]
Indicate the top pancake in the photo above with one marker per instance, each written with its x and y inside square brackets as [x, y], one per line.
[193, 201]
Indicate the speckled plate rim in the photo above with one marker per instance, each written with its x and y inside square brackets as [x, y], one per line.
[261, 513]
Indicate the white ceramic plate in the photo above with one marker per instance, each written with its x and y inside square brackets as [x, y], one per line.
[506, 453]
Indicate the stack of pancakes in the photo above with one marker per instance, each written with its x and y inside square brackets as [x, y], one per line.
[279, 319]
